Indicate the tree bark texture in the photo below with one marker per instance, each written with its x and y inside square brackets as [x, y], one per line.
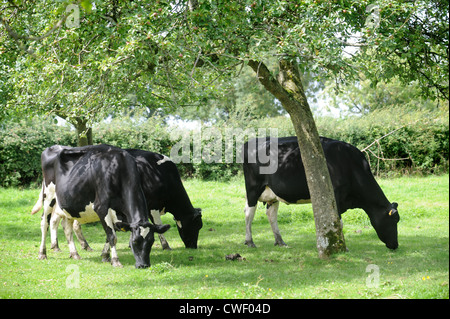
[84, 133]
[288, 89]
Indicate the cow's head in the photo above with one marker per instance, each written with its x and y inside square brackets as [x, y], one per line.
[141, 242]
[189, 227]
[386, 226]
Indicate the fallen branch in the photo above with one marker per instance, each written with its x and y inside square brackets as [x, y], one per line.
[379, 139]
[380, 150]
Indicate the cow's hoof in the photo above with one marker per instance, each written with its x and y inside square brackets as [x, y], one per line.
[42, 256]
[250, 244]
[56, 249]
[166, 247]
[280, 243]
[75, 256]
[87, 248]
[106, 259]
[116, 263]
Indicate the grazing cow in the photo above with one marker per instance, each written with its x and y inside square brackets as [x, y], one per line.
[353, 183]
[48, 199]
[164, 192]
[97, 183]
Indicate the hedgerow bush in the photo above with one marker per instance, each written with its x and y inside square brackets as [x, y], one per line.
[420, 139]
[404, 140]
[21, 145]
[150, 134]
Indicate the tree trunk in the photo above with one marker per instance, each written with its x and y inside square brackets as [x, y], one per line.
[288, 89]
[84, 133]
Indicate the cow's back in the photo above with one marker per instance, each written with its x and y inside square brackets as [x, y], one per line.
[161, 182]
[348, 168]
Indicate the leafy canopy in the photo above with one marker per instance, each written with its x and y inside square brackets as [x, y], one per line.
[167, 54]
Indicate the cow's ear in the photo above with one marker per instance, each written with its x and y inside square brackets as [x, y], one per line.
[393, 209]
[122, 226]
[160, 228]
[198, 212]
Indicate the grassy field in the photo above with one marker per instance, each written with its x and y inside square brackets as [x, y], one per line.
[418, 269]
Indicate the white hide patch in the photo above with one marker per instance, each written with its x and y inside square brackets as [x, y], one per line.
[111, 218]
[50, 192]
[90, 216]
[156, 213]
[144, 231]
[179, 223]
[163, 160]
[269, 196]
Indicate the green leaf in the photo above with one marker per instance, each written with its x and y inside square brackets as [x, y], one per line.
[87, 5]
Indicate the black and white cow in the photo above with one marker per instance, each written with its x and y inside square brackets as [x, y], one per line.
[353, 183]
[164, 192]
[47, 198]
[94, 183]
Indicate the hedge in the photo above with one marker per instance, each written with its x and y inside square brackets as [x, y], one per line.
[420, 139]
[21, 145]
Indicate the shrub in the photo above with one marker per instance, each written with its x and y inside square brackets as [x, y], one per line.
[150, 135]
[422, 137]
[21, 145]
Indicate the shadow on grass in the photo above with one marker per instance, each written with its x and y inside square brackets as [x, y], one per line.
[293, 268]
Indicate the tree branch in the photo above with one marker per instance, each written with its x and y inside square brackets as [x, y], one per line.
[267, 80]
[16, 36]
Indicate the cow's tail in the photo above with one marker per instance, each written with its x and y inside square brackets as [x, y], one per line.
[37, 207]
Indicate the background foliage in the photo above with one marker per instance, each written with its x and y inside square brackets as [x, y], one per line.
[422, 137]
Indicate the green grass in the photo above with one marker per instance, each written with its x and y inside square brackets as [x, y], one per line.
[418, 269]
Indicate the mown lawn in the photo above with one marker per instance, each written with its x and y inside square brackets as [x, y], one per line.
[418, 269]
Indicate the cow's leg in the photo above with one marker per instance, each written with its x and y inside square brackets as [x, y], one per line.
[106, 258]
[272, 215]
[109, 252]
[114, 257]
[44, 226]
[68, 231]
[49, 203]
[54, 222]
[249, 215]
[156, 214]
[84, 244]
[111, 238]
